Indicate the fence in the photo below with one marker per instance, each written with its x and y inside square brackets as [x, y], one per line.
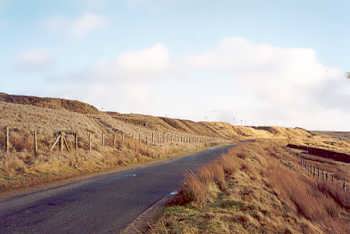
[323, 175]
[153, 138]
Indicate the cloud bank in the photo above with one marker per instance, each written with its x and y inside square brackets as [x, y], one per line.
[235, 80]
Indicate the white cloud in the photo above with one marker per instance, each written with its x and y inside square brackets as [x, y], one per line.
[34, 60]
[137, 65]
[87, 23]
[239, 79]
[78, 27]
[275, 79]
[153, 59]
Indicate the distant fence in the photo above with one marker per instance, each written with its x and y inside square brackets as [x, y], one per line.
[59, 140]
[323, 175]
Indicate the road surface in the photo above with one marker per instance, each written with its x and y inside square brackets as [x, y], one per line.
[103, 204]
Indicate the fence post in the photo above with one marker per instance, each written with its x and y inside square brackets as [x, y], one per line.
[35, 142]
[90, 143]
[103, 139]
[76, 141]
[7, 140]
[61, 141]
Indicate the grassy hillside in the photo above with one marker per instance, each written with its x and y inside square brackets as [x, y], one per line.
[51, 103]
[257, 188]
[24, 114]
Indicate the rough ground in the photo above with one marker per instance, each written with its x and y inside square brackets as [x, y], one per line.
[256, 188]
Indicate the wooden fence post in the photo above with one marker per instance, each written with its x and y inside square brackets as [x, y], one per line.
[114, 140]
[35, 141]
[7, 140]
[76, 141]
[61, 142]
[103, 139]
[90, 143]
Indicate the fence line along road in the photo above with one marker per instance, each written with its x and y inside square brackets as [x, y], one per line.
[60, 139]
[323, 175]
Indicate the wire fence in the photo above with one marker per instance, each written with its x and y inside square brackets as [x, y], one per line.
[70, 140]
[323, 175]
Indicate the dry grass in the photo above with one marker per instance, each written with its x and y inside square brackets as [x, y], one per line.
[265, 192]
[193, 190]
[198, 187]
[336, 192]
[297, 189]
[21, 168]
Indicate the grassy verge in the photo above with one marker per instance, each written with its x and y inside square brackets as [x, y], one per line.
[255, 188]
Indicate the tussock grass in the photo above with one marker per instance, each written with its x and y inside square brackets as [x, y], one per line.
[264, 192]
[297, 189]
[198, 187]
[193, 190]
[336, 192]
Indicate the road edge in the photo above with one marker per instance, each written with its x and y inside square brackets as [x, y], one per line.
[144, 220]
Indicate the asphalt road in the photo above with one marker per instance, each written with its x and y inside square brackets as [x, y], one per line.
[103, 204]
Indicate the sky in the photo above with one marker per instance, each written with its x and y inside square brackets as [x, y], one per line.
[280, 63]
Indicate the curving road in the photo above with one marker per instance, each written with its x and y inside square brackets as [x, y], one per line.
[103, 204]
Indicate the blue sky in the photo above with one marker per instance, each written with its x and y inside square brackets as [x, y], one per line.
[260, 62]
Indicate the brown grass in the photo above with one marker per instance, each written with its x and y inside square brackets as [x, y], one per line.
[265, 191]
[320, 203]
[336, 192]
[196, 186]
[292, 187]
[193, 190]
[229, 164]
